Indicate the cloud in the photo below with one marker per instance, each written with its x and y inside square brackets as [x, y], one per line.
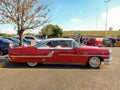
[113, 18]
[76, 20]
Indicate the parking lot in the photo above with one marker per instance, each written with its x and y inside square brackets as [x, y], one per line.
[17, 76]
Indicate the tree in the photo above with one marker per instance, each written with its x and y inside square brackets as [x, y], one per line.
[56, 31]
[52, 31]
[4, 35]
[24, 14]
[47, 30]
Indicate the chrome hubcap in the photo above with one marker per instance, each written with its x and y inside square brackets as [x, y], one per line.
[94, 62]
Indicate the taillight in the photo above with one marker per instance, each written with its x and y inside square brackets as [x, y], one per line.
[10, 45]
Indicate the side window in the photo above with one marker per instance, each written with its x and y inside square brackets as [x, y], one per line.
[31, 38]
[52, 43]
[27, 37]
[66, 44]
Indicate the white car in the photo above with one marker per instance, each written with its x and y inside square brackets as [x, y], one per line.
[33, 38]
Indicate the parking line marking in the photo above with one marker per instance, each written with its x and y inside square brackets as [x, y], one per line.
[4, 63]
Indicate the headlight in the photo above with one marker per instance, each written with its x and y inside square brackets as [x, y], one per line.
[110, 51]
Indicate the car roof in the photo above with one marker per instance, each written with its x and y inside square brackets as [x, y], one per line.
[54, 39]
[6, 40]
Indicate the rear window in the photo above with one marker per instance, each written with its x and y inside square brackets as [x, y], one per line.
[29, 37]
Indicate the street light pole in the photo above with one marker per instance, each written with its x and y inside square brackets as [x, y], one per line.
[97, 19]
[106, 1]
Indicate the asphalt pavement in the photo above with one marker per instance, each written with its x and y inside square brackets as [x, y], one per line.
[17, 76]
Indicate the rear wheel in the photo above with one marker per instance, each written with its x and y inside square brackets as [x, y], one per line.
[32, 64]
[94, 62]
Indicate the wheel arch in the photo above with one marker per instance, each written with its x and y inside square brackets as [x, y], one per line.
[101, 59]
[95, 56]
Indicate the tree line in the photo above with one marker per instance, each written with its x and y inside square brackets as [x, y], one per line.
[48, 31]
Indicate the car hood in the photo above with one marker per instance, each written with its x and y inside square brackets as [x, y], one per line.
[92, 48]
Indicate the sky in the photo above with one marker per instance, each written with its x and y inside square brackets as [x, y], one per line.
[76, 15]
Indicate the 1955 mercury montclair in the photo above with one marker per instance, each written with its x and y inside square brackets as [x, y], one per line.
[60, 50]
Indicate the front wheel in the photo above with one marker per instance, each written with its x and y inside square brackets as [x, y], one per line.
[32, 64]
[94, 62]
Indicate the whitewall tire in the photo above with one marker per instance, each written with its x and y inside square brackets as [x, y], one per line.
[32, 64]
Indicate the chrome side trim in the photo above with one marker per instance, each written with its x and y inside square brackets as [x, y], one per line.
[46, 56]
[79, 55]
[51, 54]
[53, 48]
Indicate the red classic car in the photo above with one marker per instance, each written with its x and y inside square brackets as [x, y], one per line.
[60, 50]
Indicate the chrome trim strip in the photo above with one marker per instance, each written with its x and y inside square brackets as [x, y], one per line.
[54, 48]
[79, 55]
[46, 56]
[51, 54]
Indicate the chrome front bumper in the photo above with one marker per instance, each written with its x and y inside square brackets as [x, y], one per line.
[107, 61]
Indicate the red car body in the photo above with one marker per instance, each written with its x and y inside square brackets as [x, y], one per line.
[73, 54]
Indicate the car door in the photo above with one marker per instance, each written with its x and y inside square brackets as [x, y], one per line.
[49, 49]
[60, 51]
[64, 53]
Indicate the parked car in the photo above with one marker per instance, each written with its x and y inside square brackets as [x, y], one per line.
[60, 50]
[13, 39]
[34, 39]
[109, 42]
[85, 40]
[117, 42]
[5, 45]
[25, 41]
[94, 42]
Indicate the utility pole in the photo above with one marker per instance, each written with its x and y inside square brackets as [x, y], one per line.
[97, 19]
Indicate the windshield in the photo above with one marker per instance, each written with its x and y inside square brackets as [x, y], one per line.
[75, 44]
